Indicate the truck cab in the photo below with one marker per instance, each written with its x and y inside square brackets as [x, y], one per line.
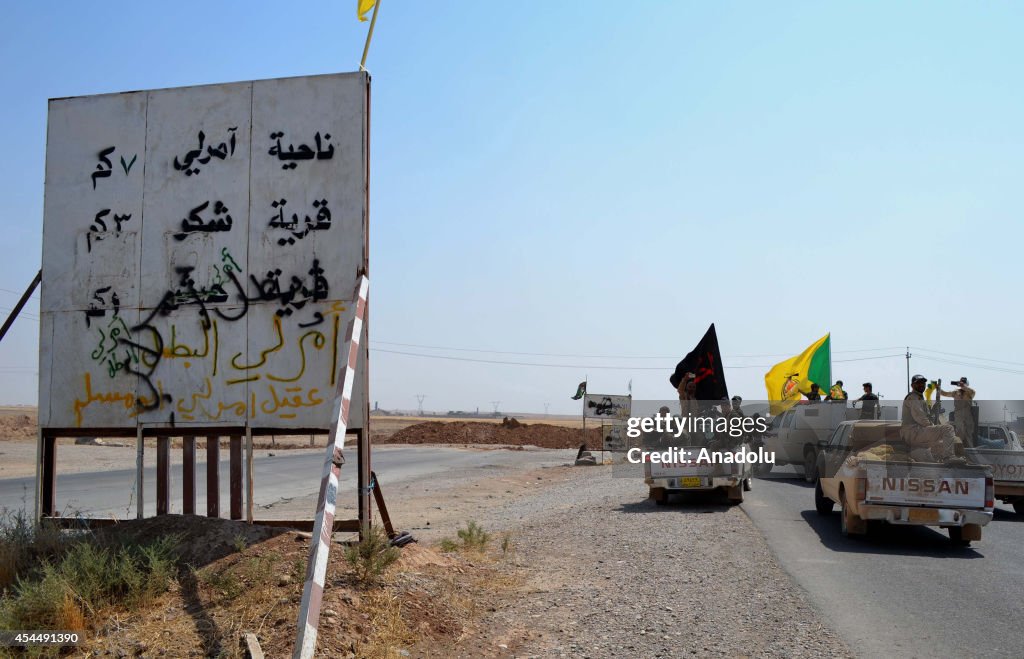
[796, 434]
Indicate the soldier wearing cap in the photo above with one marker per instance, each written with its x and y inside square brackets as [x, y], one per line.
[869, 403]
[963, 398]
[917, 429]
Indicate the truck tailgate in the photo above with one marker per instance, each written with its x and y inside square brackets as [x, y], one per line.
[934, 486]
[692, 467]
[1007, 466]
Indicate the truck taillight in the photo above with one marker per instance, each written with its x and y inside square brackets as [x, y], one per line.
[990, 493]
[862, 489]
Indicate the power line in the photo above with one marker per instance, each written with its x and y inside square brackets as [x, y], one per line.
[585, 356]
[981, 359]
[586, 366]
[27, 314]
[834, 361]
[983, 367]
[7, 290]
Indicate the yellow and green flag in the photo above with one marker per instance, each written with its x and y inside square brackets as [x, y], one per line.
[363, 8]
[789, 378]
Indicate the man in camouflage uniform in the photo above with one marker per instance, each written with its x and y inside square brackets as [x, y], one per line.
[917, 429]
[963, 399]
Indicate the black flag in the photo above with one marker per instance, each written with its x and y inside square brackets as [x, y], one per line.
[704, 361]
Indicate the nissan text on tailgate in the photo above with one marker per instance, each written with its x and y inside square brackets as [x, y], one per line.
[865, 467]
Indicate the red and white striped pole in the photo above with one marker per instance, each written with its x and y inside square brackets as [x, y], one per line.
[323, 528]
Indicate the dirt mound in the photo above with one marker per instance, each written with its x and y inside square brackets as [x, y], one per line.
[517, 434]
[17, 426]
[202, 540]
[428, 600]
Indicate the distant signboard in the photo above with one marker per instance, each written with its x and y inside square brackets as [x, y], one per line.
[200, 253]
[600, 406]
[614, 437]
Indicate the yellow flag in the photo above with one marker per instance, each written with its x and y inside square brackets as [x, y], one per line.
[789, 378]
[364, 7]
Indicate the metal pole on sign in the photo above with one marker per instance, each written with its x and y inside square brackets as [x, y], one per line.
[369, 36]
[140, 463]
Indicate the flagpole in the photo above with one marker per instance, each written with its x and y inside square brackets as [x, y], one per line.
[586, 385]
[369, 36]
[831, 375]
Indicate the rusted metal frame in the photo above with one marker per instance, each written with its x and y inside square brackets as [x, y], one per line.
[48, 482]
[249, 476]
[163, 475]
[340, 525]
[140, 465]
[235, 468]
[213, 476]
[188, 475]
[378, 496]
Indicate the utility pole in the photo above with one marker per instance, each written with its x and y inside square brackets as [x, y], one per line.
[908, 369]
[495, 403]
[419, 399]
[546, 405]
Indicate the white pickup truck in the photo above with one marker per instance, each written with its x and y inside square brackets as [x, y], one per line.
[796, 434]
[694, 475]
[957, 497]
[999, 448]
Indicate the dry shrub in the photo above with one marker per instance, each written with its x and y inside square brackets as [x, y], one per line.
[371, 557]
[87, 579]
[473, 538]
[69, 615]
[389, 632]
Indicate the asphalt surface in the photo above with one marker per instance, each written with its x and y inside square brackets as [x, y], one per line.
[902, 591]
[287, 475]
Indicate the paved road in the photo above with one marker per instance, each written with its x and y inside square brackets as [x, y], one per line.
[285, 476]
[902, 592]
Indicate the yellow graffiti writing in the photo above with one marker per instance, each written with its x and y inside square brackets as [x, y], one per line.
[264, 353]
[318, 342]
[124, 398]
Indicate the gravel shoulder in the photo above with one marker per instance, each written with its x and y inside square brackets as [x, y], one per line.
[606, 573]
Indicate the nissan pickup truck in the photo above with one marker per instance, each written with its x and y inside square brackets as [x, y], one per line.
[866, 469]
[692, 474]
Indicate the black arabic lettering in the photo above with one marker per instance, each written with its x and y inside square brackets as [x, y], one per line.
[222, 151]
[195, 223]
[303, 152]
[104, 161]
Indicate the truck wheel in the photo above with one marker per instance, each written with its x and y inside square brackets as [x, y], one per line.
[748, 484]
[810, 464]
[956, 537]
[1018, 506]
[735, 495]
[822, 504]
[850, 524]
[660, 495]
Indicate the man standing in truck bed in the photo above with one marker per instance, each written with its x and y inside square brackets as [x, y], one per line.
[963, 398]
[917, 429]
[868, 403]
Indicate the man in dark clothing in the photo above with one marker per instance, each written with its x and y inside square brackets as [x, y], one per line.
[814, 394]
[869, 403]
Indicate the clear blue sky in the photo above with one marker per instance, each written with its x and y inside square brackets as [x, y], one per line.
[607, 178]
